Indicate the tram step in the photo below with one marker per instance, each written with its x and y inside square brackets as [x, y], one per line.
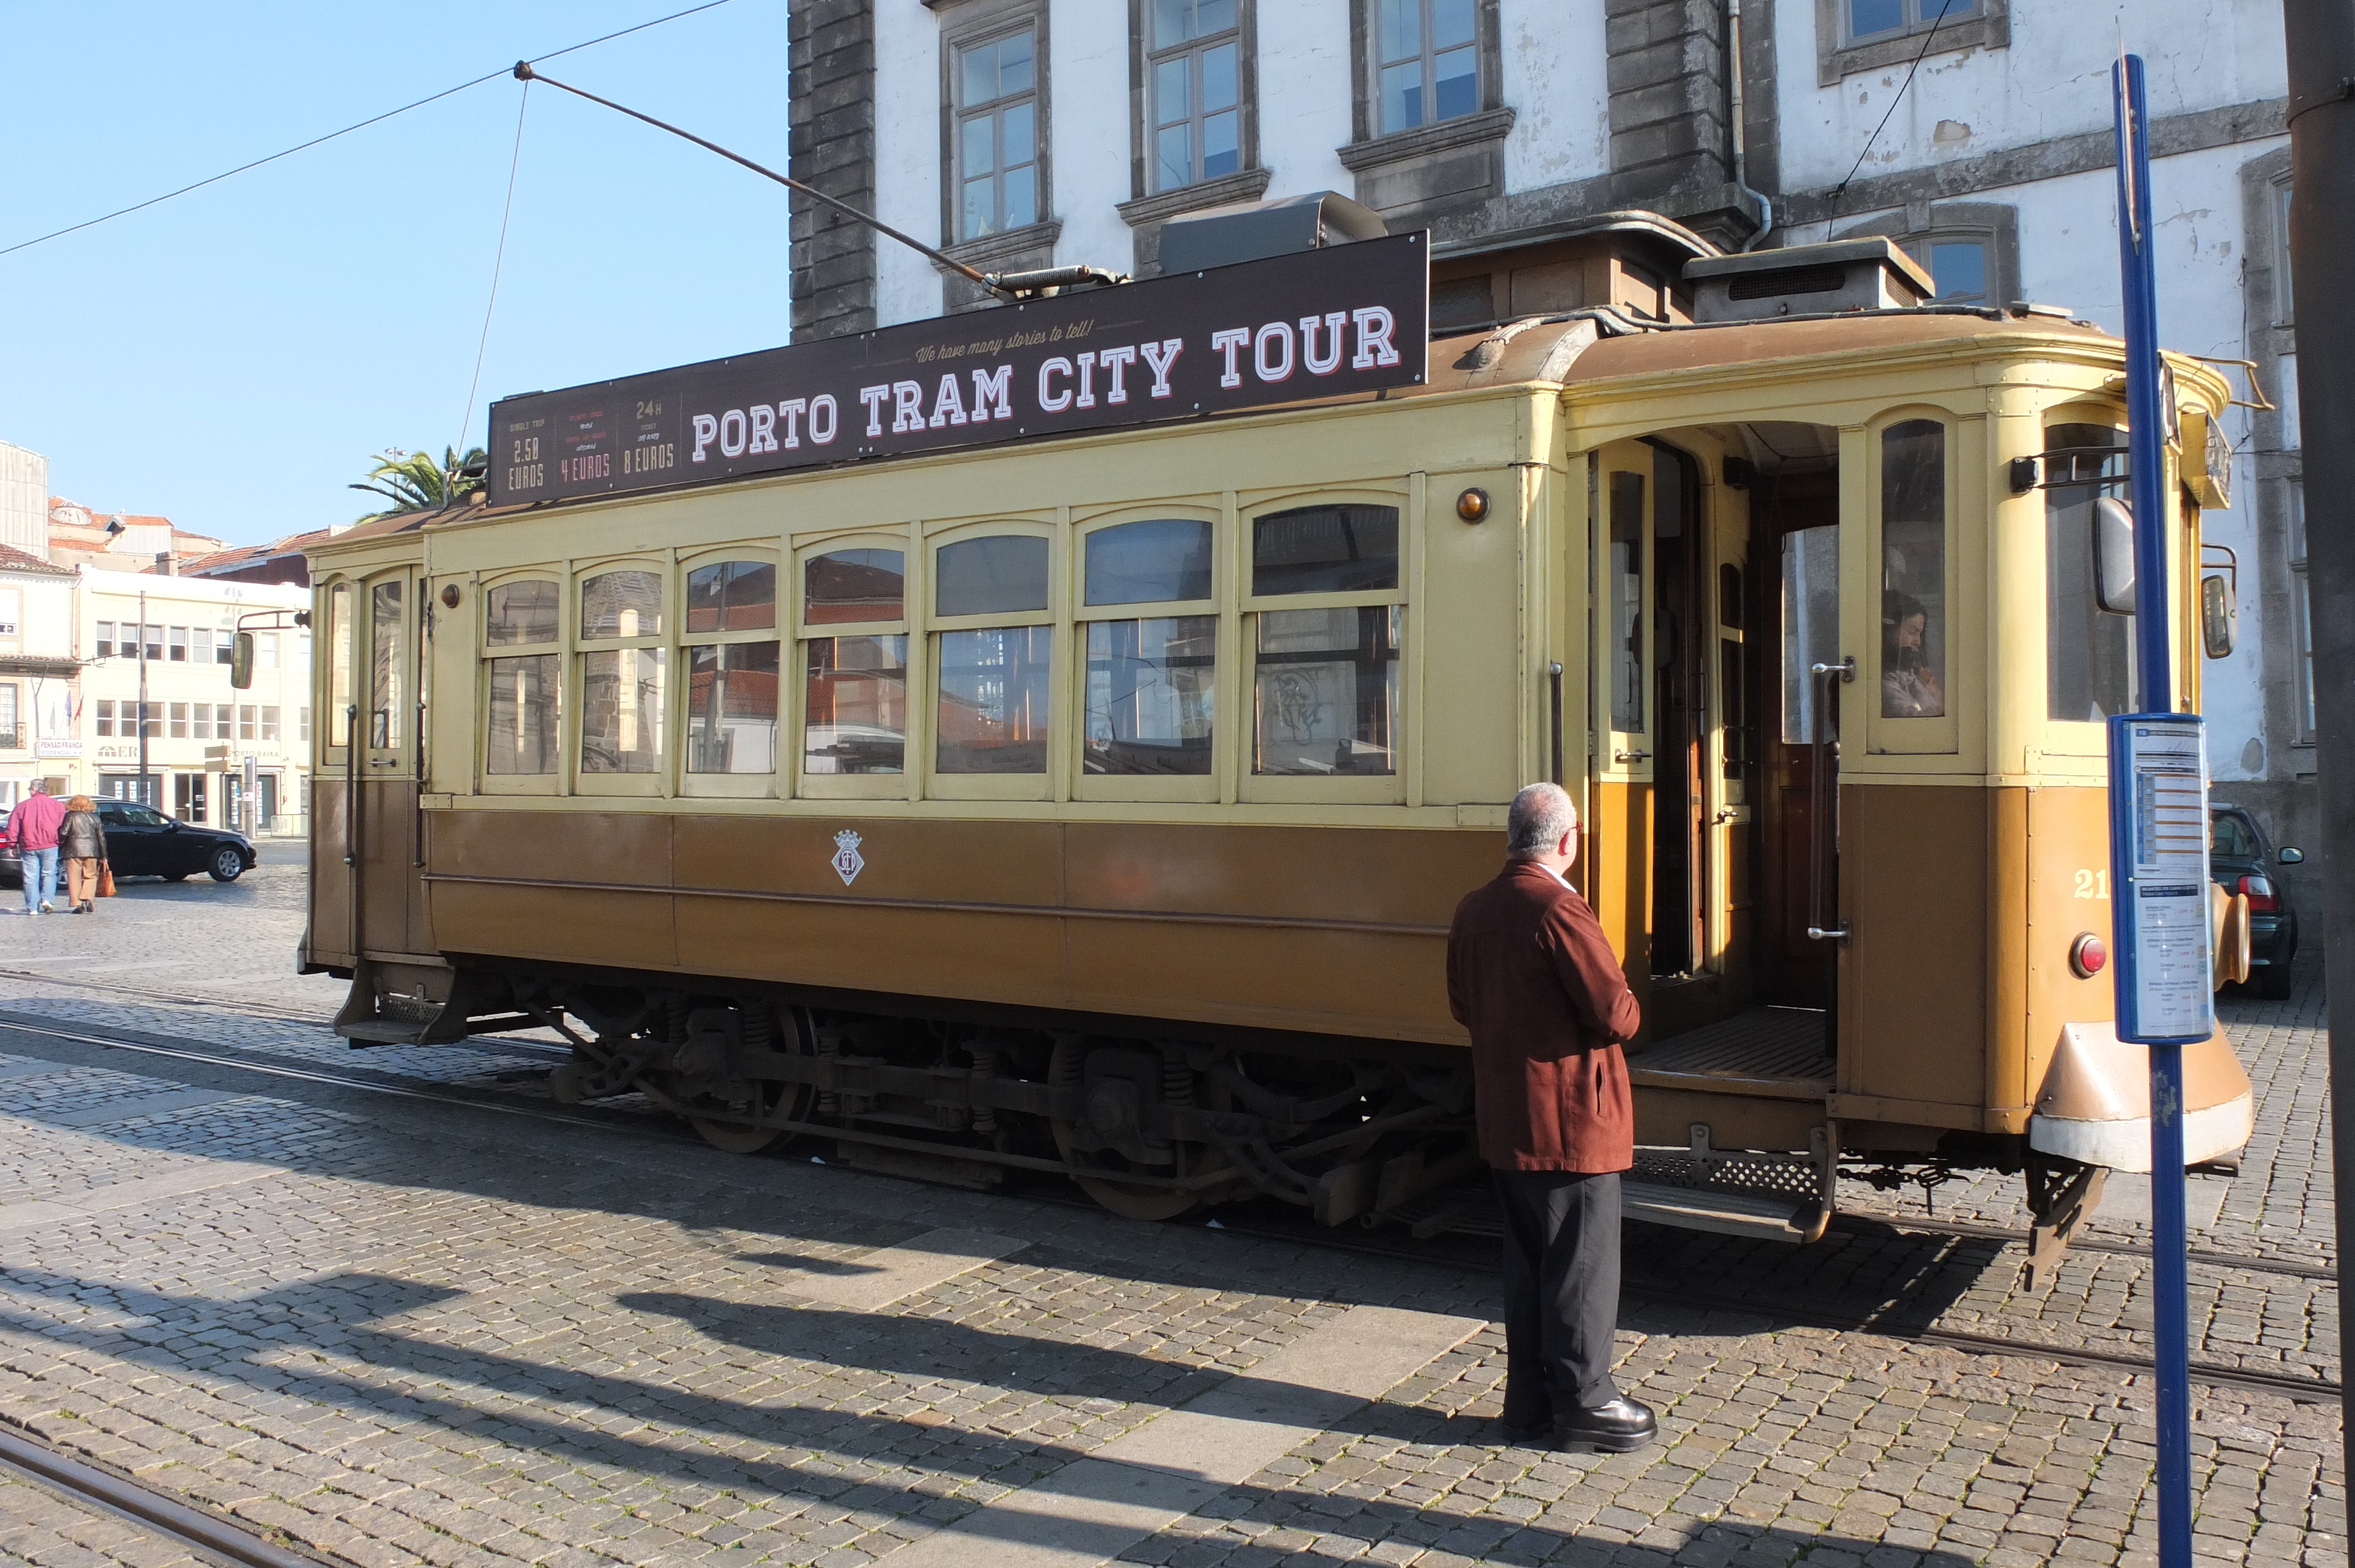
[381, 1031]
[1727, 1213]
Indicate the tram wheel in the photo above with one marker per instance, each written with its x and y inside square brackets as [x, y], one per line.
[770, 1097]
[1129, 1200]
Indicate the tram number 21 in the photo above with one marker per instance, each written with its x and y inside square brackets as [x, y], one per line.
[2092, 884]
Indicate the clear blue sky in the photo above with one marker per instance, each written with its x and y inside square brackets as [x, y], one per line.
[233, 358]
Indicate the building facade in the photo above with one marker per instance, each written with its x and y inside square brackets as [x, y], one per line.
[39, 676]
[200, 732]
[1976, 133]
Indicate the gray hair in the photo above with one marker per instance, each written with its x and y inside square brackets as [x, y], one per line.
[1541, 816]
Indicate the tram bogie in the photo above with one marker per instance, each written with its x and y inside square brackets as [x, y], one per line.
[1096, 806]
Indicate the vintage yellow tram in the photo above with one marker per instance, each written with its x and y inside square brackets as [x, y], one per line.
[1098, 803]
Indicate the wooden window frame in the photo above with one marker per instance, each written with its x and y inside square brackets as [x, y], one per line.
[1218, 784]
[734, 786]
[908, 783]
[567, 600]
[1055, 783]
[1937, 736]
[573, 702]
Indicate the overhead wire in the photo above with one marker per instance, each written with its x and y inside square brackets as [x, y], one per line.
[1840, 189]
[359, 125]
[498, 260]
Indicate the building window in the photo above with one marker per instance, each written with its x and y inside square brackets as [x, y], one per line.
[1871, 19]
[306, 727]
[177, 639]
[1194, 81]
[2282, 314]
[201, 723]
[1426, 62]
[269, 723]
[996, 137]
[225, 648]
[11, 736]
[265, 650]
[106, 649]
[221, 720]
[245, 721]
[200, 645]
[1853, 36]
[104, 717]
[1958, 265]
[155, 644]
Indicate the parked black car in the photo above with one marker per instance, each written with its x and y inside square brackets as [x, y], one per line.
[143, 842]
[2242, 861]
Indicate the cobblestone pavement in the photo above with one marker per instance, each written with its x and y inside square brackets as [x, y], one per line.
[40, 1526]
[394, 1332]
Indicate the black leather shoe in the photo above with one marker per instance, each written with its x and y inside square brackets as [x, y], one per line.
[1619, 1427]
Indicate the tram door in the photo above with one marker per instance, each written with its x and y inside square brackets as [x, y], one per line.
[1648, 847]
[389, 826]
[1794, 605]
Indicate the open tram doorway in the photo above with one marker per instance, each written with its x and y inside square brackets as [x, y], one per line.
[1714, 843]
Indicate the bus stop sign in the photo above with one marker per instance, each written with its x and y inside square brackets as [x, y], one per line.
[2158, 878]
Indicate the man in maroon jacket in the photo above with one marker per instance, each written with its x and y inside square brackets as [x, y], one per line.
[1530, 974]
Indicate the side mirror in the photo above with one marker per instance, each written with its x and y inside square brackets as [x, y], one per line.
[2114, 562]
[2220, 617]
[171, 825]
[2291, 856]
[240, 660]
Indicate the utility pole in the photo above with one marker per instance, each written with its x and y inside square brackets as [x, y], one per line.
[2320, 38]
[143, 703]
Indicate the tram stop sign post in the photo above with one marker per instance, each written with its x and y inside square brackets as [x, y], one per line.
[2158, 835]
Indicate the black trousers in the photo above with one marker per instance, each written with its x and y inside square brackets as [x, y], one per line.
[1561, 1291]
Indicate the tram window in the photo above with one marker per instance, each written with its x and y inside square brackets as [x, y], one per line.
[731, 705]
[1005, 574]
[1326, 691]
[622, 710]
[856, 705]
[1810, 626]
[993, 707]
[1729, 595]
[1325, 549]
[1628, 672]
[1914, 570]
[732, 596]
[519, 613]
[1151, 695]
[2089, 659]
[339, 664]
[1165, 560]
[524, 701]
[621, 604]
[847, 586]
[384, 666]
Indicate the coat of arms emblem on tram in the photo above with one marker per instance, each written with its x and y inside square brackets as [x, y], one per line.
[848, 862]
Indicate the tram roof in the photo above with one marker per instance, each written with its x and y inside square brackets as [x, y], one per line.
[1537, 350]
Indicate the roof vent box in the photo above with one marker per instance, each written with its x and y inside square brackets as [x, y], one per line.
[1246, 231]
[1806, 280]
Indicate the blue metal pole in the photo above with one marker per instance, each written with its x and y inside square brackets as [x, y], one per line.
[2145, 459]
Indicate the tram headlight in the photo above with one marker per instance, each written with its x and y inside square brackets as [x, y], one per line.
[2088, 956]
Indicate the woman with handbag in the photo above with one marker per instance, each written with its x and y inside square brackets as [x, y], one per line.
[81, 844]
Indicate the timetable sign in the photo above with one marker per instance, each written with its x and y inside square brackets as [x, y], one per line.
[1342, 320]
[2158, 878]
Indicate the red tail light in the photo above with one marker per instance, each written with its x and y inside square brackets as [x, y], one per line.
[2260, 891]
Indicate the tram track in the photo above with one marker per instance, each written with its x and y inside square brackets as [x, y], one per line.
[153, 1510]
[1663, 1293]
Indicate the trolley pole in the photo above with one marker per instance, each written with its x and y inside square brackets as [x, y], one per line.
[2158, 835]
[2320, 37]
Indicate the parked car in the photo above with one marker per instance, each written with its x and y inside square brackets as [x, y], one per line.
[143, 842]
[2241, 860]
[10, 867]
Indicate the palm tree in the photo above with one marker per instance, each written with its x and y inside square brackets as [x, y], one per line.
[413, 482]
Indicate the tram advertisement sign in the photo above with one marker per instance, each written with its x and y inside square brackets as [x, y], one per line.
[1317, 324]
[2158, 878]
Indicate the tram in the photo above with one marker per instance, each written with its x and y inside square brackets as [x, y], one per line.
[1096, 803]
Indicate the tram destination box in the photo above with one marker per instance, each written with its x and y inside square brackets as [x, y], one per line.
[1317, 324]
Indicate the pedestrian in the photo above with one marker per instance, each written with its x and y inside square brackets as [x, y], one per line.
[81, 843]
[33, 829]
[1530, 974]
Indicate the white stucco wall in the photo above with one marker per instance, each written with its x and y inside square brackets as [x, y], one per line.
[907, 158]
[2052, 82]
[1554, 81]
[1303, 95]
[1088, 45]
